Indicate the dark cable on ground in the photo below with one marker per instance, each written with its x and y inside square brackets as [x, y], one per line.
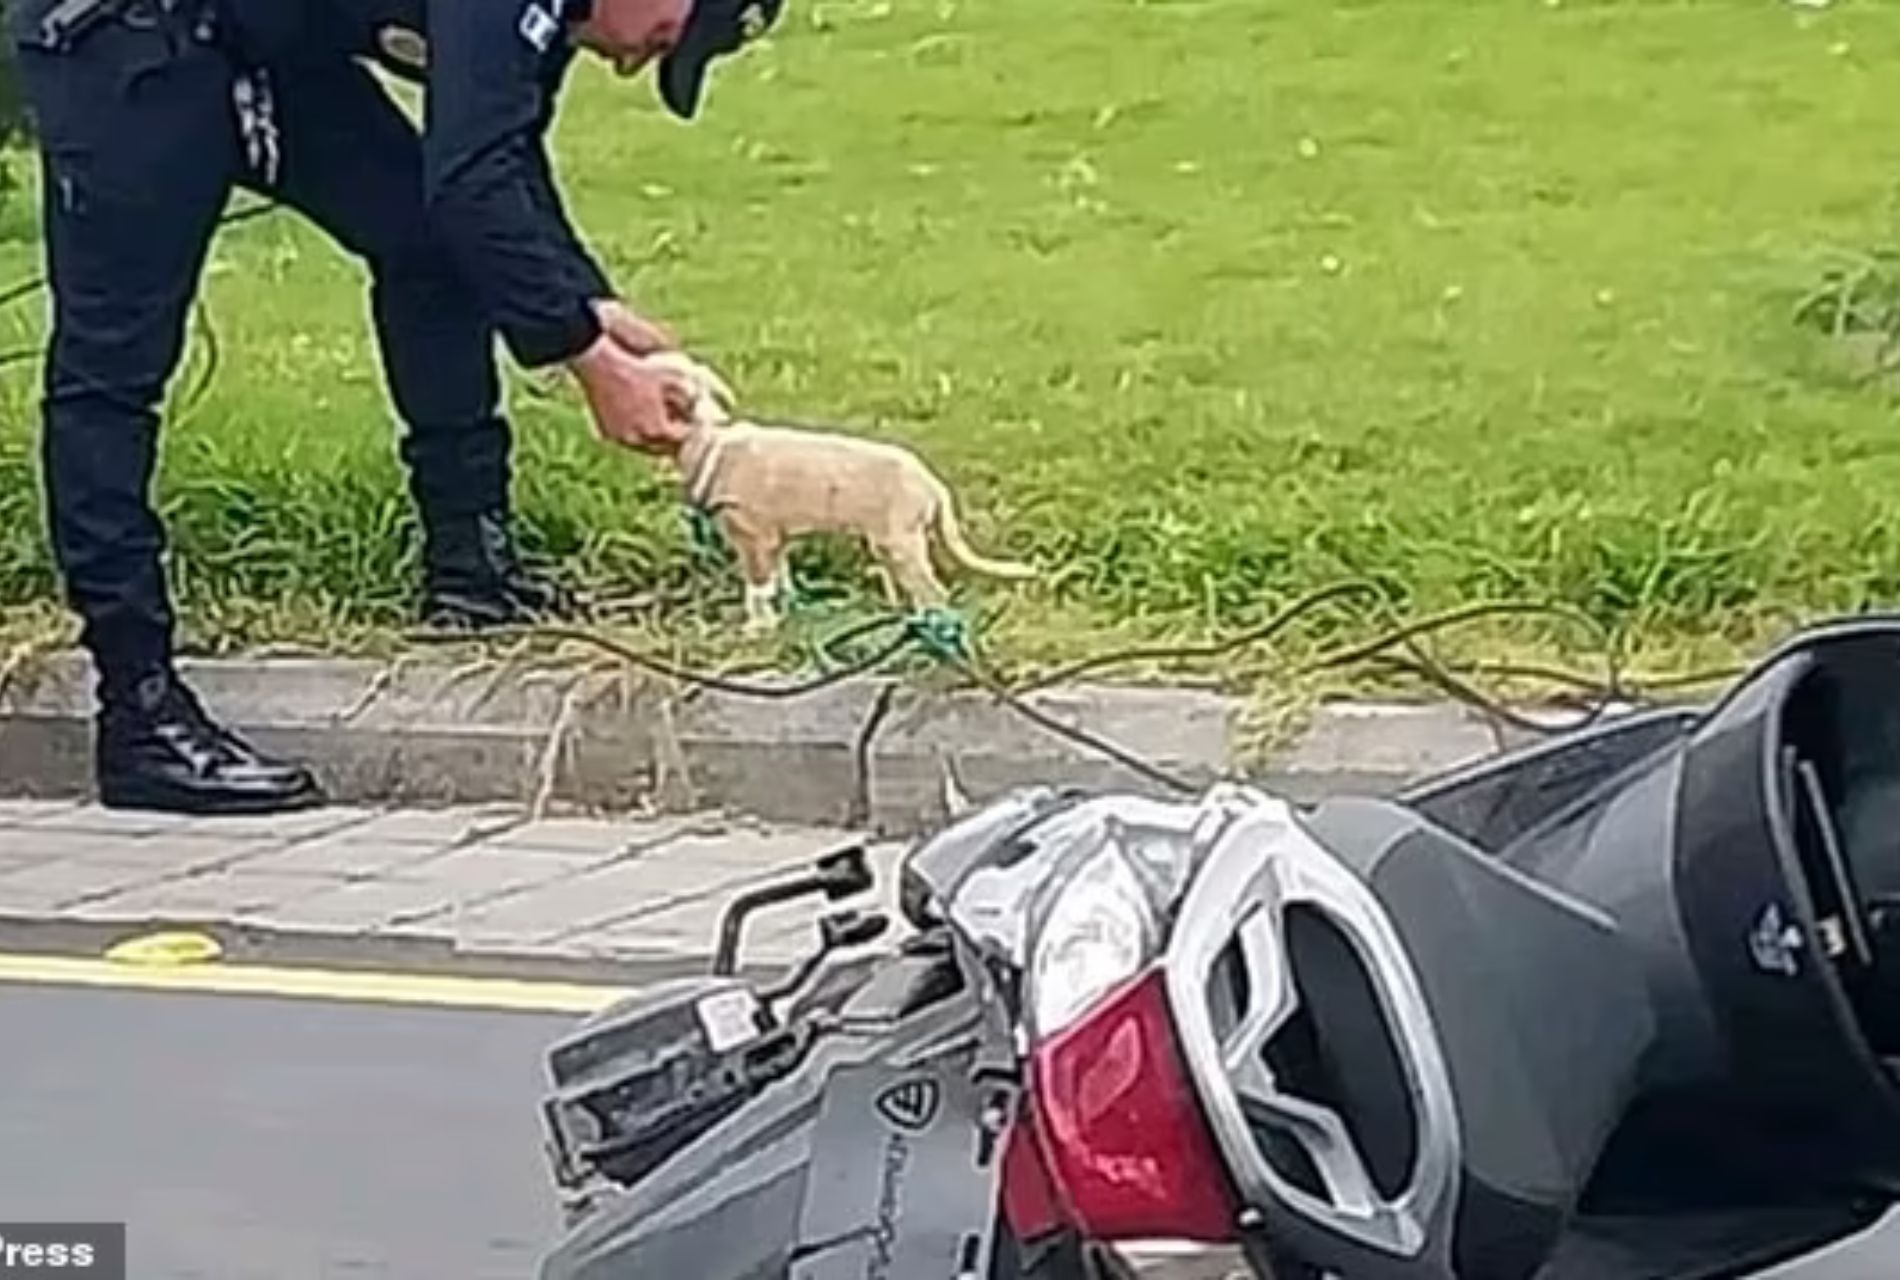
[1186, 652]
[860, 812]
[1079, 736]
[1396, 647]
[685, 675]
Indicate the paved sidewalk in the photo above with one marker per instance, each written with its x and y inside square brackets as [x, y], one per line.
[468, 883]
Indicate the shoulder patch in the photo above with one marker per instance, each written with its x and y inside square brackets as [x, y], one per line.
[405, 45]
[538, 26]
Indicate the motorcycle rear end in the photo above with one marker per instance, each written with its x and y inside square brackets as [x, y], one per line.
[1616, 1008]
[847, 1120]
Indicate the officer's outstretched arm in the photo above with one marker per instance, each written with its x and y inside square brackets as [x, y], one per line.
[494, 69]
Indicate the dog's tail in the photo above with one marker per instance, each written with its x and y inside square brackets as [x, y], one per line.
[949, 531]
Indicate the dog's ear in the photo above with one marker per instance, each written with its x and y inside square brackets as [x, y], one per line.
[701, 375]
[721, 391]
[677, 363]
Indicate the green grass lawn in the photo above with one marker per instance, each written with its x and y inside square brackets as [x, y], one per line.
[1199, 304]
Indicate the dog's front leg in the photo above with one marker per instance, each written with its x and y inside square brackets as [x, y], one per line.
[761, 561]
[761, 612]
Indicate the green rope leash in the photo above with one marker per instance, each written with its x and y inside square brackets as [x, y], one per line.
[709, 545]
[942, 633]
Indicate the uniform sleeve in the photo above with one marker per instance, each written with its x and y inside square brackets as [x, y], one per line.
[487, 179]
[593, 279]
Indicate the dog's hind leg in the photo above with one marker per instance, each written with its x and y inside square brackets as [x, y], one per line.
[886, 582]
[906, 557]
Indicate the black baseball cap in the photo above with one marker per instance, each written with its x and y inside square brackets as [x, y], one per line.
[714, 28]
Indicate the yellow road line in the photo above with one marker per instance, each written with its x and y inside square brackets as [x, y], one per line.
[312, 984]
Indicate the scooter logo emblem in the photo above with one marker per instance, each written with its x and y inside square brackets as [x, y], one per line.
[910, 1105]
[1776, 944]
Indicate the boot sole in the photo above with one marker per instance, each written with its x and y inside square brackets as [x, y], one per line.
[160, 798]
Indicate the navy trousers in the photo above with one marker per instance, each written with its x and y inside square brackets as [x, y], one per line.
[141, 150]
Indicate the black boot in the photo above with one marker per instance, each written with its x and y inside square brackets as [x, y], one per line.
[158, 749]
[474, 578]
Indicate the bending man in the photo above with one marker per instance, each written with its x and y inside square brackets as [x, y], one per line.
[148, 113]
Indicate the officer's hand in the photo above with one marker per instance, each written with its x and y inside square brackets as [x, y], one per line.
[637, 334]
[633, 405]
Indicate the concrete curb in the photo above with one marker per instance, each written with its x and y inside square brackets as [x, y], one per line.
[435, 734]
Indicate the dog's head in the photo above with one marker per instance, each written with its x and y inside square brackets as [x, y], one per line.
[713, 401]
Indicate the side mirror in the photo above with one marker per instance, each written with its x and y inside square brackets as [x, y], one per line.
[851, 929]
[844, 874]
[841, 874]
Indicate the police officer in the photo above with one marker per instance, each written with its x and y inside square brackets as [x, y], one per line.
[148, 112]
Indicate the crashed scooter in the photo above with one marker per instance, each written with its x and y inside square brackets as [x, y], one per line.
[1624, 1005]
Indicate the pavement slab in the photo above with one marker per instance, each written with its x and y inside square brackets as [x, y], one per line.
[367, 907]
[167, 855]
[481, 874]
[37, 845]
[19, 811]
[482, 880]
[599, 897]
[50, 888]
[96, 820]
[303, 825]
[203, 899]
[435, 828]
[592, 836]
[347, 854]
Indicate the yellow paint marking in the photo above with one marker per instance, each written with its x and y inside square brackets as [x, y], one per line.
[167, 950]
[312, 984]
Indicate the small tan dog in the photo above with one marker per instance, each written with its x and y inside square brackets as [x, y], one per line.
[765, 485]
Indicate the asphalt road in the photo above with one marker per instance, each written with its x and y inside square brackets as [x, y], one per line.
[254, 1137]
[248, 1138]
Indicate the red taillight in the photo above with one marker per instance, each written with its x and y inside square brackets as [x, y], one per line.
[1112, 1138]
[1029, 1199]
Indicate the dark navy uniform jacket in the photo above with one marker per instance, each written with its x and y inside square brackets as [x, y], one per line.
[493, 70]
